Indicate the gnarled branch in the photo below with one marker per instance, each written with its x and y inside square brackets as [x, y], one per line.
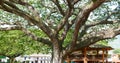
[82, 18]
[27, 32]
[35, 20]
[95, 37]
[34, 37]
[56, 2]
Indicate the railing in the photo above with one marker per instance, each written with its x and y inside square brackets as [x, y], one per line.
[37, 59]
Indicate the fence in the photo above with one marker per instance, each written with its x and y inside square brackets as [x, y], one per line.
[36, 59]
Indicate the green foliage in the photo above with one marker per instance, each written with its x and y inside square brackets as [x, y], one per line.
[68, 38]
[41, 48]
[38, 32]
[15, 42]
[103, 42]
[116, 51]
[11, 43]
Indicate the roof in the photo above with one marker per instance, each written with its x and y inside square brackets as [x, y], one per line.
[99, 47]
[96, 47]
[93, 47]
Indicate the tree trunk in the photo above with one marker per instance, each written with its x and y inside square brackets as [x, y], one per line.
[57, 57]
[11, 60]
[57, 54]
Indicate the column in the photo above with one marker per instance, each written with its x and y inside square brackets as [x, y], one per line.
[103, 56]
[85, 56]
[106, 56]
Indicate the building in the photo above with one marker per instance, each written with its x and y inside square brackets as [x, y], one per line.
[93, 53]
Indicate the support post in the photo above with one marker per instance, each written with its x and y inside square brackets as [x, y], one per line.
[85, 56]
[98, 55]
[106, 56]
[103, 56]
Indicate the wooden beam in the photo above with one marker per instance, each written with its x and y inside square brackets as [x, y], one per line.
[106, 56]
[85, 56]
[97, 55]
[103, 56]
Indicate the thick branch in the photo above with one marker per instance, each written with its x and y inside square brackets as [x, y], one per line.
[95, 37]
[21, 2]
[27, 32]
[82, 18]
[68, 14]
[86, 27]
[35, 20]
[64, 20]
[34, 37]
[56, 2]
[67, 28]
[70, 4]
[76, 1]
[30, 7]
[105, 21]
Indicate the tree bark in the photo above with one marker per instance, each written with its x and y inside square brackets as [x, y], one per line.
[57, 55]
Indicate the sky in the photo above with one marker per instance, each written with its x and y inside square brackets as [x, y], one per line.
[115, 43]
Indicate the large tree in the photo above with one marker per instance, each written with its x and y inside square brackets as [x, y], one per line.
[84, 22]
